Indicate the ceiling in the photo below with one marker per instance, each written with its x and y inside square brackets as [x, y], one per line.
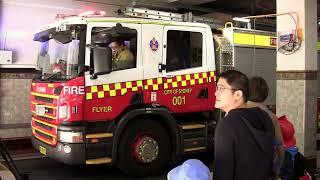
[234, 8]
[249, 7]
[246, 7]
[218, 8]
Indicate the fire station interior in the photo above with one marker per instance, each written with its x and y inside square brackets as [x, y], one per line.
[124, 89]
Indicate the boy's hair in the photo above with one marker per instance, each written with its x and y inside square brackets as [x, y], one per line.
[237, 80]
[258, 89]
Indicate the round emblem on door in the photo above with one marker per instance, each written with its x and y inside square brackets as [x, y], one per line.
[154, 45]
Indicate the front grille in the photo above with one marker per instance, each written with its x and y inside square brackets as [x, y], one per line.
[49, 104]
[43, 126]
[45, 131]
[44, 118]
[44, 135]
[44, 99]
[49, 110]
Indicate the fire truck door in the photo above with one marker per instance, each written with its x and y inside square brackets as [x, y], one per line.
[109, 94]
[184, 67]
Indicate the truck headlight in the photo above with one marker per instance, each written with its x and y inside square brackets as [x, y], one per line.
[70, 137]
[63, 111]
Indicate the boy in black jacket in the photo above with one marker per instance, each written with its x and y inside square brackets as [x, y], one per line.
[244, 137]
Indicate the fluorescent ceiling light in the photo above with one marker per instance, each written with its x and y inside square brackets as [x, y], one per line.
[241, 19]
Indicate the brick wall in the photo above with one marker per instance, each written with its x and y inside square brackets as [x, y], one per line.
[15, 112]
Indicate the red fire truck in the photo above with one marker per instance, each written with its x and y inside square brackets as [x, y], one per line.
[91, 107]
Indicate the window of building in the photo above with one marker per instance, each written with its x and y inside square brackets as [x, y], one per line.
[184, 50]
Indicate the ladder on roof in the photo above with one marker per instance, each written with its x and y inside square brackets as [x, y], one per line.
[153, 14]
[169, 16]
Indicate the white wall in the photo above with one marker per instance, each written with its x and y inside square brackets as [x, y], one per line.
[20, 19]
[306, 57]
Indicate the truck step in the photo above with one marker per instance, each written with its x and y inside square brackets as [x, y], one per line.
[194, 137]
[105, 160]
[194, 149]
[192, 126]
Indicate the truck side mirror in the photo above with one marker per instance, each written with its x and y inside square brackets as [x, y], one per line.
[63, 37]
[102, 59]
[82, 69]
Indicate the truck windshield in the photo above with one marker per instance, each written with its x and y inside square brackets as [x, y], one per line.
[61, 54]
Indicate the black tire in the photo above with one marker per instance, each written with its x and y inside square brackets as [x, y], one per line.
[127, 164]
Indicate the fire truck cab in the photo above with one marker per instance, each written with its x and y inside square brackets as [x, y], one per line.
[133, 92]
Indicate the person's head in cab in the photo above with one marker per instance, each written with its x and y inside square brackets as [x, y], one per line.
[258, 89]
[232, 90]
[117, 45]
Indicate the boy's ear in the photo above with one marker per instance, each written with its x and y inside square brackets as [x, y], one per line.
[239, 94]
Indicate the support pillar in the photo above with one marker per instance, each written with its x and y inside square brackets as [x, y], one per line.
[297, 74]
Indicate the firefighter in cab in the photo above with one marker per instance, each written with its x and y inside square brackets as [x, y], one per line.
[122, 57]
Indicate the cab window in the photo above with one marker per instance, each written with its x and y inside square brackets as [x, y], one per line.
[184, 50]
[123, 43]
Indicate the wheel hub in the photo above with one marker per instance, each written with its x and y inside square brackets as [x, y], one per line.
[146, 149]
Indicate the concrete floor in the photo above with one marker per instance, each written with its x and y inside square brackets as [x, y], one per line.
[39, 167]
[45, 168]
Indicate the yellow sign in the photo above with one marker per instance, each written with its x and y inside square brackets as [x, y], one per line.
[43, 150]
[254, 40]
[102, 109]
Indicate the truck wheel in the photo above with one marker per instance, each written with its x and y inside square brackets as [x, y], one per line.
[144, 148]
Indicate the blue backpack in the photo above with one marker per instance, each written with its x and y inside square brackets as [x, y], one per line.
[294, 165]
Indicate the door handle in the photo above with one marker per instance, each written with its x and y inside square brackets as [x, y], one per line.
[162, 67]
[203, 94]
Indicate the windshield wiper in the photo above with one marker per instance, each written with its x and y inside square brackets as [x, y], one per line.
[53, 76]
[58, 74]
[39, 76]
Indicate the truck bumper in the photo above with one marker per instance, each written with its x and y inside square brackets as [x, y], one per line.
[63, 152]
[74, 154]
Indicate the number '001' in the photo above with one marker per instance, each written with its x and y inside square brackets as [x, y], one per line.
[178, 100]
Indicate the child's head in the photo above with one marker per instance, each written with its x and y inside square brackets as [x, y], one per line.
[191, 169]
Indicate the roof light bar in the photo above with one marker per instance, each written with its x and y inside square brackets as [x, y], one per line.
[92, 13]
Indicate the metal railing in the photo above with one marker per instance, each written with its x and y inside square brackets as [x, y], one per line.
[10, 163]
